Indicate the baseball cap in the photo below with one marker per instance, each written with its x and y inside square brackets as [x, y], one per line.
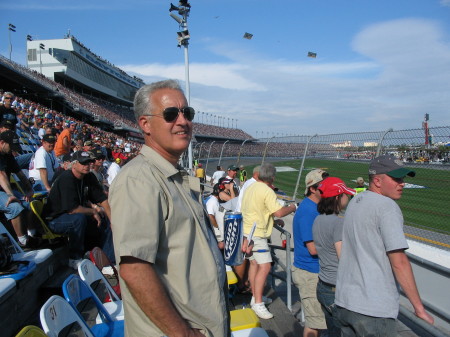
[360, 180]
[313, 177]
[67, 157]
[12, 139]
[118, 160]
[232, 168]
[98, 154]
[83, 157]
[332, 186]
[88, 143]
[49, 139]
[388, 164]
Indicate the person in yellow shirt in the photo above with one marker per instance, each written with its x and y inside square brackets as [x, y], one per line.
[200, 173]
[260, 206]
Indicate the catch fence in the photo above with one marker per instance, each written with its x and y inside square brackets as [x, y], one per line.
[425, 200]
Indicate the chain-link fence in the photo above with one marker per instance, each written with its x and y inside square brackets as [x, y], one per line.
[425, 203]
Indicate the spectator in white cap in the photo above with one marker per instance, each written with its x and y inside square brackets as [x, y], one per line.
[305, 271]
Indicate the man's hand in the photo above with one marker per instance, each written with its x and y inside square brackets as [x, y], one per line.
[279, 222]
[97, 217]
[29, 195]
[425, 316]
[11, 198]
[247, 247]
[221, 245]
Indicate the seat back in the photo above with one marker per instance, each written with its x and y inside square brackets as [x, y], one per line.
[31, 331]
[57, 314]
[37, 206]
[81, 297]
[92, 276]
[99, 258]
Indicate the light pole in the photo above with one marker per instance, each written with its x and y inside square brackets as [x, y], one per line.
[221, 151]
[11, 28]
[183, 9]
[41, 48]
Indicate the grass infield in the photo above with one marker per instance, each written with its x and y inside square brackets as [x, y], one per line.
[427, 208]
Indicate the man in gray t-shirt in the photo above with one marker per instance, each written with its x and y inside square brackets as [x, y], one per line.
[373, 256]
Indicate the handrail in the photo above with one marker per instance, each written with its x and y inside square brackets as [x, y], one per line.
[287, 267]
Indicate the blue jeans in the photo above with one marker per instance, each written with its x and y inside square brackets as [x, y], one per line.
[75, 226]
[355, 324]
[325, 296]
[13, 210]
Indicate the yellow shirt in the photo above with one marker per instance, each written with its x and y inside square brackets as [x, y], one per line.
[258, 205]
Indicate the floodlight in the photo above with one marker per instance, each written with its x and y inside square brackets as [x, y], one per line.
[185, 3]
[176, 18]
[29, 38]
[248, 36]
[11, 27]
[41, 46]
[173, 8]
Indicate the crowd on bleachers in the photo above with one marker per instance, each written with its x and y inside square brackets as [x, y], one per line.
[107, 111]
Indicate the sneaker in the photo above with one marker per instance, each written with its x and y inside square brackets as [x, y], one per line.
[74, 263]
[261, 311]
[266, 300]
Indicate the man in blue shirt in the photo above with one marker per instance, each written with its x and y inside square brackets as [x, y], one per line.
[305, 271]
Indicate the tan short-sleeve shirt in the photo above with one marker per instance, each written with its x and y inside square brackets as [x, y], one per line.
[157, 217]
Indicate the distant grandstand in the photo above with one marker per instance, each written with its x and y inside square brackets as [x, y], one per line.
[65, 75]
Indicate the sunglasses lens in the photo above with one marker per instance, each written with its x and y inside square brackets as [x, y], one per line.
[171, 114]
[189, 113]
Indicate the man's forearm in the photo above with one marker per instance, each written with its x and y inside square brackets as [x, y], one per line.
[405, 277]
[44, 177]
[148, 291]
[4, 183]
[25, 182]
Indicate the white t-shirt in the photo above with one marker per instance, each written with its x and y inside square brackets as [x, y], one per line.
[213, 208]
[241, 193]
[112, 172]
[43, 159]
[217, 175]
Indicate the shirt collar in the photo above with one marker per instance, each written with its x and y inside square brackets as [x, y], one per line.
[164, 166]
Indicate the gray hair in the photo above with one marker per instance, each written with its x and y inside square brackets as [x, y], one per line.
[142, 101]
[8, 93]
[267, 173]
[256, 169]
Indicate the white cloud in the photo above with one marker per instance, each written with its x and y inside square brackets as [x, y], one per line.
[400, 74]
[445, 3]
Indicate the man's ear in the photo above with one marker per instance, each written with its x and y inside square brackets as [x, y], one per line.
[145, 125]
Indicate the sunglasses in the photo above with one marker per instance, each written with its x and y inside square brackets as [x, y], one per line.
[7, 97]
[171, 114]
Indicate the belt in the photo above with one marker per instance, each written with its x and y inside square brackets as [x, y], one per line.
[329, 285]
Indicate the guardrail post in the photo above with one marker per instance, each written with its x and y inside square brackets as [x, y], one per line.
[209, 151]
[221, 151]
[301, 166]
[380, 143]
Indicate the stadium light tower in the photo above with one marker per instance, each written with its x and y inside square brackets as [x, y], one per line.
[11, 28]
[183, 10]
[41, 48]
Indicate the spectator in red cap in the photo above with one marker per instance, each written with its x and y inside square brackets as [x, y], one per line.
[327, 234]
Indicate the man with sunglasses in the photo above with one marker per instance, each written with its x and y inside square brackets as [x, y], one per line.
[6, 110]
[373, 256]
[78, 207]
[172, 272]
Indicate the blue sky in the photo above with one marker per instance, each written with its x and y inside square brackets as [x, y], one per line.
[380, 64]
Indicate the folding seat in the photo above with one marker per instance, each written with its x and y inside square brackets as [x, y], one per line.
[58, 315]
[100, 286]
